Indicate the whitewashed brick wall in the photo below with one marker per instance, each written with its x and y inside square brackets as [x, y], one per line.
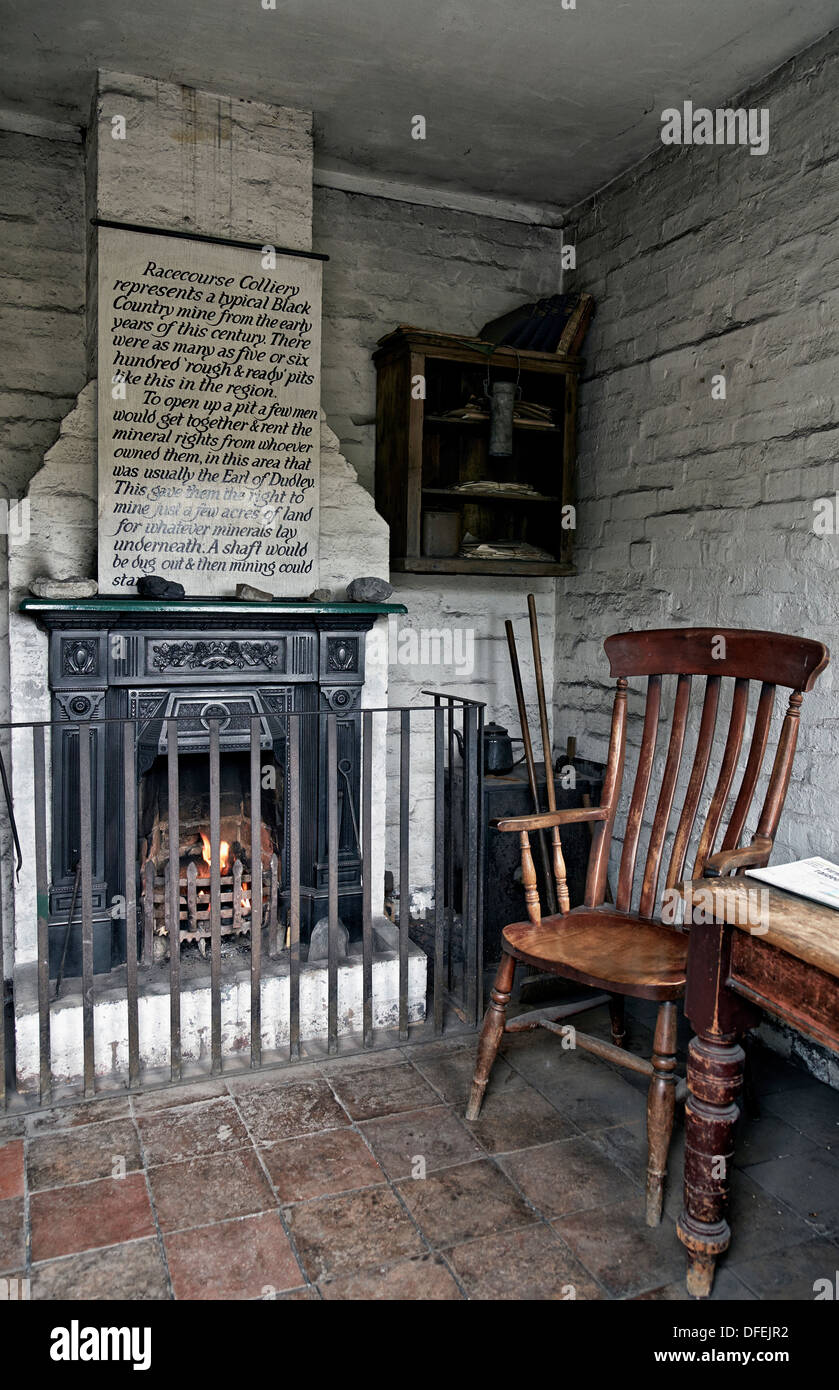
[691, 511]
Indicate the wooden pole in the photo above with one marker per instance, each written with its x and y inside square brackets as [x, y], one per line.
[563, 898]
[531, 763]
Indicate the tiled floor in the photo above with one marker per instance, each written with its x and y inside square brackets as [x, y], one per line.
[359, 1179]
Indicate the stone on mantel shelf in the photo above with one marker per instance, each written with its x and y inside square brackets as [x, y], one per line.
[249, 594]
[74, 587]
[369, 590]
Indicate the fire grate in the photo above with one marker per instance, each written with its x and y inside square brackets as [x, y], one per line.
[195, 915]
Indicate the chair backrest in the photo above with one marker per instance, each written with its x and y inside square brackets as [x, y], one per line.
[718, 654]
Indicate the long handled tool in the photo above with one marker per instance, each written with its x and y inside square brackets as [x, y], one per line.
[563, 897]
[531, 765]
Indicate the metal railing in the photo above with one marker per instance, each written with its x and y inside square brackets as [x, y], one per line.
[447, 937]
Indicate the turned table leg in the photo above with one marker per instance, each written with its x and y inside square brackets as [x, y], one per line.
[715, 1075]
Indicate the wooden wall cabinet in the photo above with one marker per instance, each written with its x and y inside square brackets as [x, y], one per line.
[424, 453]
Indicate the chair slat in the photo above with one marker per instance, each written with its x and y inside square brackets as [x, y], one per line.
[754, 762]
[601, 839]
[728, 767]
[776, 792]
[665, 800]
[699, 772]
[626, 873]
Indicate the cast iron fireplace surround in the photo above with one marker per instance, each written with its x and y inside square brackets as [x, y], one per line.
[196, 660]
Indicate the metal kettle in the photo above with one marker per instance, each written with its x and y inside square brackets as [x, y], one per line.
[498, 749]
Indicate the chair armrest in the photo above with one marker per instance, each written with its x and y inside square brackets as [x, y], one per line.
[547, 819]
[753, 856]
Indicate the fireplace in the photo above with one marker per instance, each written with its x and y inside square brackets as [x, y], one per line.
[245, 670]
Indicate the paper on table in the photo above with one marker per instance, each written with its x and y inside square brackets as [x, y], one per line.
[814, 878]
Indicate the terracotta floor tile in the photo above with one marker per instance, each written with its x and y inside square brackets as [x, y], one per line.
[624, 1254]
[626, 1146]
[317, 1165]
[372, 1091]
[84, 1112]
[281, 1112]
[516, 1118]
[450, 1073]
[361, 1230]
[133, 1271]
[205, 1191]
[474, 1199]
[67, 1220]
[235, 1260]
[175, 1135]
[572, 1175]
[12, 1241]
[82, 1154]
[421, 1280]
[813, 1109]
[790, 1273]
[434, 1135]
[765, 1136]
[527, 1264]
[170, 1098]
[11, 1169]
[363, 1061]
[727, 1289]
[808, 1182]
[760, 1223]
[585, 1090]
[274, 1078]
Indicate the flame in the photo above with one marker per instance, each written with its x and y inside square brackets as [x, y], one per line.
[224, 852]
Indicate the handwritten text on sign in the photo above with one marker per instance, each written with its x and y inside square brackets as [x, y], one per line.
[209, 416]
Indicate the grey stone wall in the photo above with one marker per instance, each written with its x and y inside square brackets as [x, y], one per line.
[708, 260]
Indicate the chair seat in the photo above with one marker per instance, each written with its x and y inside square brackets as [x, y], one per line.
[605, 948]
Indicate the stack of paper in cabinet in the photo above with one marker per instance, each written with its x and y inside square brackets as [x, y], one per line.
[814, 878]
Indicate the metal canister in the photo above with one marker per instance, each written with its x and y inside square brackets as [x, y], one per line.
[501, 419]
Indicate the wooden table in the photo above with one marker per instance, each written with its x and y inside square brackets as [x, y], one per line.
[786, 963]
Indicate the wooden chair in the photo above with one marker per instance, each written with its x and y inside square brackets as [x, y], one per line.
[633, 953]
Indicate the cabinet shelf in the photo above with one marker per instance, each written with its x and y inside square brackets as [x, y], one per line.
[489, 495]
[423, 454]
[483, 420]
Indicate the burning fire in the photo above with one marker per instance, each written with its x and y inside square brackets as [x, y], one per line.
[224, 852]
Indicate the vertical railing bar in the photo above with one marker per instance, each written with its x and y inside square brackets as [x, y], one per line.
[439, 862]
[215, 899]
[293, 762]
[129, 782]
[332, 847]
[42, 897]
[469, 821]
[148, 913]
[366, 871]
[3, 1097]
[86, 857]
[174, 899]
[450, 843]
[480, 831]
[404, 866]
[256, 893]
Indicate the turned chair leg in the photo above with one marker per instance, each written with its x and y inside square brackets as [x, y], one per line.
[491, 1033]
[661, 1105]
[616, 1015]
